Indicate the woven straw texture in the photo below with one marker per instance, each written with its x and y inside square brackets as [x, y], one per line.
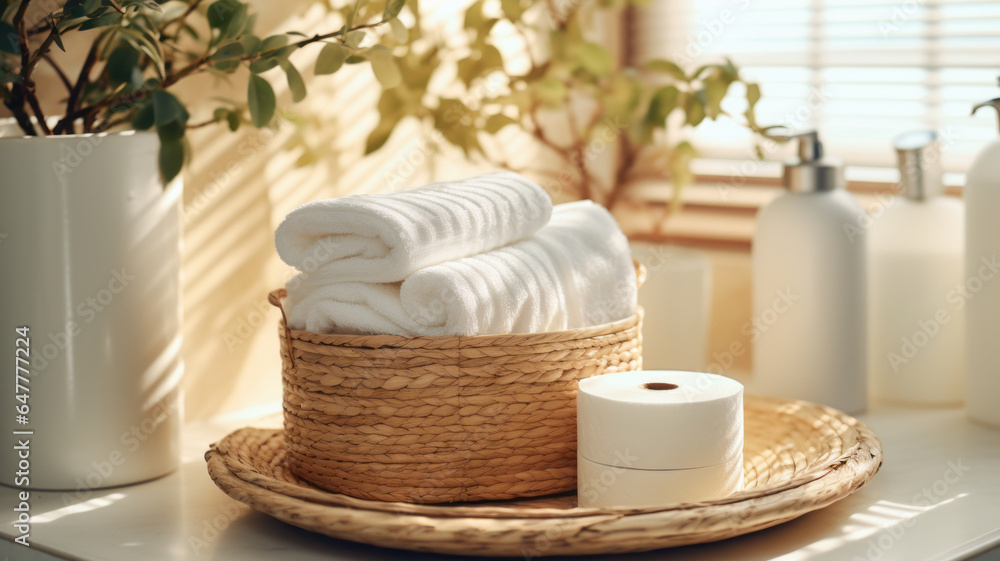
[798, 457]
[443, 419]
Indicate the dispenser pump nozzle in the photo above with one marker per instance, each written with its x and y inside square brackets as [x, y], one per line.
[919, 157]
[994, 103]
[811, 172]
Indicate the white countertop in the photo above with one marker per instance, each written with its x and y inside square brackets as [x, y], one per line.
[937, 498]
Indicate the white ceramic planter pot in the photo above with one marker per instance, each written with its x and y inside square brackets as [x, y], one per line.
[89, 264]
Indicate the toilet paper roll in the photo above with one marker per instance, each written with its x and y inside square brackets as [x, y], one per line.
[617, 487]
[660, 420]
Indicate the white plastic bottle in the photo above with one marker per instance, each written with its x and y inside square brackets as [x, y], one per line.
[980, 288]
[916, 328]
[809, 261]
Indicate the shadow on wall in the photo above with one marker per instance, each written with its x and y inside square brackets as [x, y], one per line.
[237, 189]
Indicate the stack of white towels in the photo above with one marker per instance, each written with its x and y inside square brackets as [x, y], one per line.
[485, 255]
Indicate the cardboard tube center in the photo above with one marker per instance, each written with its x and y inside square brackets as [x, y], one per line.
[659, 386]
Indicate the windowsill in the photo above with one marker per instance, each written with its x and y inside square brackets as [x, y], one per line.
[716, 211]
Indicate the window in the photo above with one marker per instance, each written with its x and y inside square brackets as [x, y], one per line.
[859, 71]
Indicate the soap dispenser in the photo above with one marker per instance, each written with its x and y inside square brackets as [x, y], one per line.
[809, 289]
[916, 352]
[980, 289]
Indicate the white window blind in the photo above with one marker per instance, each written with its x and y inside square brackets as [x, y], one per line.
[859, 71]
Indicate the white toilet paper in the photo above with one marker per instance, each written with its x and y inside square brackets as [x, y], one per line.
[651, 438]
[697, 423]
[604, 486]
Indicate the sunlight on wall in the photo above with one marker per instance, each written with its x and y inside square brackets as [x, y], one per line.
[237, 190]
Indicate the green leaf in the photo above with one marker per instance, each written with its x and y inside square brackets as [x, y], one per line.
[663, 102]
[715, 90]
[274, 42]
[496, 122]
[551, 92]
[171, 159]
[392, 9]
[753, 94]
[121, 62]
[8, 39]
[295, 82]
[105, 20]
[221, 13]
[234, 120]
[456, 122]
[263, 65]
[354, 38]
[238, 22]
[260, 99]
[384, 66]
[171, 132]
[331, 58]
[667, 67]
[168, 109]
[399, 31]
[57, 38]
[144, 117]
[228, 52]
[596, 59]
[695, 108]
[251, 44]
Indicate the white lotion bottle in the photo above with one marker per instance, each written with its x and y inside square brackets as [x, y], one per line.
[916, 251]
[809, 262]
[980, 288]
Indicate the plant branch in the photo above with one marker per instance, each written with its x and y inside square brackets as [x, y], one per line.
[73, 114]
[59, 72]
[66, 124]
[626, 159]
[180, 19]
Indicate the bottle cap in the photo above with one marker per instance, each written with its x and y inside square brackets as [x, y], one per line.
[811, 172]
[919, 154]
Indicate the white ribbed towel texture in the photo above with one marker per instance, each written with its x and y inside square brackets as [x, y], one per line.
[575, 272]
[387, 237]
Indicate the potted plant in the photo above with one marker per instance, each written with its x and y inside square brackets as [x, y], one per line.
[90, 210]
[570, 96]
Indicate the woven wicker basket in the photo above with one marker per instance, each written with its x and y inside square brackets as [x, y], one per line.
[442, 419]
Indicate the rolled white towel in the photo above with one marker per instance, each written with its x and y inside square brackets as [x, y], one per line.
[386, 237]
[575, 272]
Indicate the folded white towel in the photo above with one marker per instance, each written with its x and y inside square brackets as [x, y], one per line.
[386, 237]
[575, 272]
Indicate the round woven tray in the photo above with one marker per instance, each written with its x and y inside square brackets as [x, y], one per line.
[798, 457]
